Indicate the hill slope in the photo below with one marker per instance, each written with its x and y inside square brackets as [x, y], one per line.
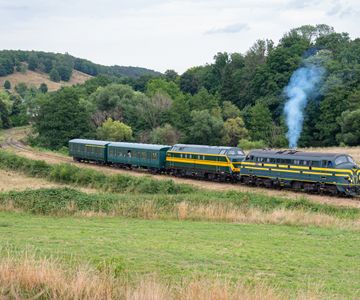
[46, 62]
[35, 78]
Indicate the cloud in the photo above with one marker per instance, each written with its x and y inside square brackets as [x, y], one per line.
[340, 9]
[296, 4]
[233, 28]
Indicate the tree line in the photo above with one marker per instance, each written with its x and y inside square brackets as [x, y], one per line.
[238, 99]
[60, 66]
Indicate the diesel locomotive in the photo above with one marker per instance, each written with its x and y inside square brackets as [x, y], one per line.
[335, 174]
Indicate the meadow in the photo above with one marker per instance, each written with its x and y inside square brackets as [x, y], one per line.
[80, 233]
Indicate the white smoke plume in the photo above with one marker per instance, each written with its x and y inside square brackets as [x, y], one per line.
[303, 85]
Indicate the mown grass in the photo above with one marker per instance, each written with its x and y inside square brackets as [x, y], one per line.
[289, 257]
[69, 174]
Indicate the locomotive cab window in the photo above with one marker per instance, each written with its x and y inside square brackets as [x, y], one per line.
[315, 164]
[341, 160]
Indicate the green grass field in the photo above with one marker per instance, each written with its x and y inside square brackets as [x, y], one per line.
[176, 233]
[290, 257]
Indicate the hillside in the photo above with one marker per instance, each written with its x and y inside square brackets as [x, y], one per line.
[36, 78]
[63, 64]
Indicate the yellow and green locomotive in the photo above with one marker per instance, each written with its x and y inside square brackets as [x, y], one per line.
[209, 162]
[309, 171]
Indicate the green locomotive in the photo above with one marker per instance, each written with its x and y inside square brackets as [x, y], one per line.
[208, 162]
[308, 171]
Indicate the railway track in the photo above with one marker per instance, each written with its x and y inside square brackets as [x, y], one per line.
[12, 141]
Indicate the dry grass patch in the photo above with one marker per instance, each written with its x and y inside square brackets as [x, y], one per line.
[45, 279]
[12, 181]
[32, 78]
[230, 213]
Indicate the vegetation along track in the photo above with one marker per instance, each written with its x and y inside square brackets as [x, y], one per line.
[12, 140]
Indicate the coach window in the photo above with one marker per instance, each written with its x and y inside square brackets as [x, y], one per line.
[154, 155]
[129, 153]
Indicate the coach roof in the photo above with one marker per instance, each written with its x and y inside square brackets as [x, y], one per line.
[89, 142]
[139, 146]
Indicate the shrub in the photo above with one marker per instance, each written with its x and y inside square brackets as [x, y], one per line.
[247, 145]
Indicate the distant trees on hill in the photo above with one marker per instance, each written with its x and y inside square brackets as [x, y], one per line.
[63, 64]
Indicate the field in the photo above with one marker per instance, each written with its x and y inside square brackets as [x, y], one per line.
[31, 78]
[79, 231]
[292, 258]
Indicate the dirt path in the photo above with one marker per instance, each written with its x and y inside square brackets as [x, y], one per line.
[11, 140]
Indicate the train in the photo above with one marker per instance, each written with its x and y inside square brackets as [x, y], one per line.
[313, 172]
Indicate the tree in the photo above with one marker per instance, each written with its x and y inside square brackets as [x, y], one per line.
[119, 102]
[260, 123]
[206, 129]
[5, 106]
[190, 81]
[159, 85]
[153, 110]
[7, 85]
[33, 61]
[54, 75]
[350, 128]
[171, 75]
[165, 135]
[61, 118]
[203, 100]
[43, 88]
[21, 89]
[114, 131]
[234, 131]
[230, 111]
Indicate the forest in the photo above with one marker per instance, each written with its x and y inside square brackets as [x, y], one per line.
[238, 99]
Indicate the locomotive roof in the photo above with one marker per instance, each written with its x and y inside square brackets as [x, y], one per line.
[139, 146]
[295, 154]
[89, 142]
[199, 148]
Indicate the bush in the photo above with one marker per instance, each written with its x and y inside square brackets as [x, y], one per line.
[248, 145]
[65, 201]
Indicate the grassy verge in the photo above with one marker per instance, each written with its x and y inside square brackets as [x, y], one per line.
[288, 257]
[215, 206]
[69, 174]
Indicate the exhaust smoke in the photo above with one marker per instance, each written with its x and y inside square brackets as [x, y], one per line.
[302, 86]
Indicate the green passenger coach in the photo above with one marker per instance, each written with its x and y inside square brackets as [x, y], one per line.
[145, 156]
[88, 150]
[204, 161]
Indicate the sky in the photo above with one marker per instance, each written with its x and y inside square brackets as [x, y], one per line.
[160, 34]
